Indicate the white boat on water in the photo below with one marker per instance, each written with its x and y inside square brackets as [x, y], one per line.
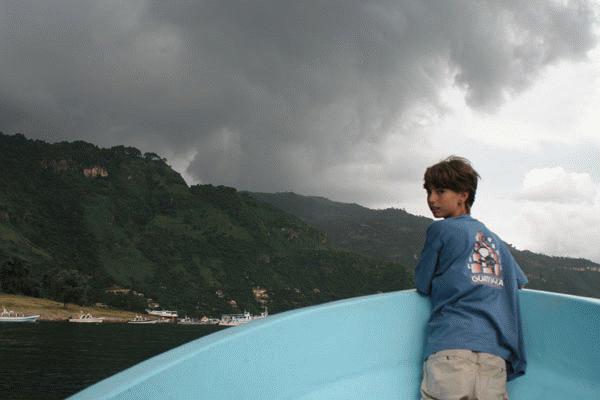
[209, 321]
[11, 316]
[239, 319]
[138, 319]
[189, 321]
[162, 313]
[87, 318]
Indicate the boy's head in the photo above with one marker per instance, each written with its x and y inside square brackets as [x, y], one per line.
[454, 173]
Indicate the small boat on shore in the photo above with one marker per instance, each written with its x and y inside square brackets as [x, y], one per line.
[188, 321]
[138, 319]
[209, 321]
[162, 313]
[87, 318]
[11, 316]
[239, 319]
[235, 319]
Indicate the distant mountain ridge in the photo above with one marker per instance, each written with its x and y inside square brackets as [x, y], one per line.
[392, 234]
[396, 235]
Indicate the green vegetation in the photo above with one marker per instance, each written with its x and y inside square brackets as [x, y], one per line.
[398, 236]
[68, 286]
[76, 220]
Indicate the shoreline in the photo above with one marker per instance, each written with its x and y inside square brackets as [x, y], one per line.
[50, 310]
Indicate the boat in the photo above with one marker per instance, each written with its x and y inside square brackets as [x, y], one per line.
[87, 318]
[209, 321]
[11, 316]
[262, 315]
[162, 313]
[188, 321]
[367, 347]
[239, 319]
[138, 319]
[235, 319]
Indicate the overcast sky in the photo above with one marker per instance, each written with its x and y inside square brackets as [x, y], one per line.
[350, 100]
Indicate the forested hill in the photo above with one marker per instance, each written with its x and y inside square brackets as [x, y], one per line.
[398, 236]
[87, 224]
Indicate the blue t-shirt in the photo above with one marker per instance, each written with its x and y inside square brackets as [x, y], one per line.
[473, 281]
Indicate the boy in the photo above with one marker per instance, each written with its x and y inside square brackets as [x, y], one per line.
[473, 341]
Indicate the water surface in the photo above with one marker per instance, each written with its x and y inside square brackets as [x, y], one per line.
[52, 360]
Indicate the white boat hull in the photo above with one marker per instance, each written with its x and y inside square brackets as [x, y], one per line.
[163, 313]
[149, 322]
[87, 321]
[233, 323]
[27, 318]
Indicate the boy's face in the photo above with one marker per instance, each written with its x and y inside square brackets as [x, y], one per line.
[445, 203]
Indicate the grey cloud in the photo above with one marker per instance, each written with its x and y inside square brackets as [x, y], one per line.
[272, 95]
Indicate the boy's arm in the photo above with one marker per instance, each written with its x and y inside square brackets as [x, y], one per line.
[429, 258]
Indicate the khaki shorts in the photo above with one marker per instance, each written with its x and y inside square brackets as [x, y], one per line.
[464, 375]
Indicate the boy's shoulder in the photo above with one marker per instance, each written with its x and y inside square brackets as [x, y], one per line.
[461, 222]
[464, 223]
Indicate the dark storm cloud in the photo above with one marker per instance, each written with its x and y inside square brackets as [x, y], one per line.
[272, 95]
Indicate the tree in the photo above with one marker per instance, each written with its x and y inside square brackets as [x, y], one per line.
[14, 277]
[152, 156]
[69, 286]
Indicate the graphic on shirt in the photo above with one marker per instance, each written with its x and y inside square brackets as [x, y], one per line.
[484, 263]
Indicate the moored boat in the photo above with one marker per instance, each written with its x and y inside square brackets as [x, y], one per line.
[209, 321]
[188, 321]
[87, 318]
[235, 319]
[239, 319]
[11, 316]
[138, 319]
[162, 313]
[363, 348]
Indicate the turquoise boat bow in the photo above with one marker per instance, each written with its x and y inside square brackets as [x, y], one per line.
[362, 348]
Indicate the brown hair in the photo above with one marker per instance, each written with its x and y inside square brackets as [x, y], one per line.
[454, 173]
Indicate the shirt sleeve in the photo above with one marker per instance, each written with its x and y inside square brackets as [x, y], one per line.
[521, 278]
[429, 258]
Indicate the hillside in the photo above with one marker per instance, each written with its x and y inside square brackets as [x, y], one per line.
[398, 236]
[392, 234]
[79, 223]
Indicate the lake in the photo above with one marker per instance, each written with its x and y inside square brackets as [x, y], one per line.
[52, 360]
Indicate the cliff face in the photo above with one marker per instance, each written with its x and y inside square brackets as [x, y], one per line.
[55, 165]
[59, 166]
[95, 172]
